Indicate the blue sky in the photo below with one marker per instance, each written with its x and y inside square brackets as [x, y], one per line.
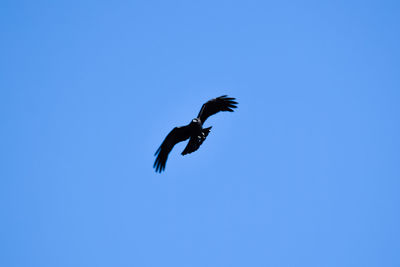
[305, 173]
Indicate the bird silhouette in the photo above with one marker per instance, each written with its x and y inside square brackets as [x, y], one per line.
[194, 130]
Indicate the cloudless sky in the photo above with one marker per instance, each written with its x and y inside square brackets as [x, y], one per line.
[305, 173]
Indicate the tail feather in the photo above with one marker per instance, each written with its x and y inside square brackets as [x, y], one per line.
[195, 142]
[206, 131]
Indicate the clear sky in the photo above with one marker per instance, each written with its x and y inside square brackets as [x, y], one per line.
[305, 173]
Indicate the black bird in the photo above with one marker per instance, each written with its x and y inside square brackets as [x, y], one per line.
[194, 130]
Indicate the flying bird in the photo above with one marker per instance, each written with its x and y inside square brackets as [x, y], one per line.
[194, 130]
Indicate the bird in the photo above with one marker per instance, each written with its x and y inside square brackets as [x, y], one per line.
[194, 131]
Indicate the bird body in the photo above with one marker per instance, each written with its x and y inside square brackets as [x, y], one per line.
[196, 126]
[194, 130]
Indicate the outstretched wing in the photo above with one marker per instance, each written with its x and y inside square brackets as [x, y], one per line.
[222, 103]
[178, 134]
